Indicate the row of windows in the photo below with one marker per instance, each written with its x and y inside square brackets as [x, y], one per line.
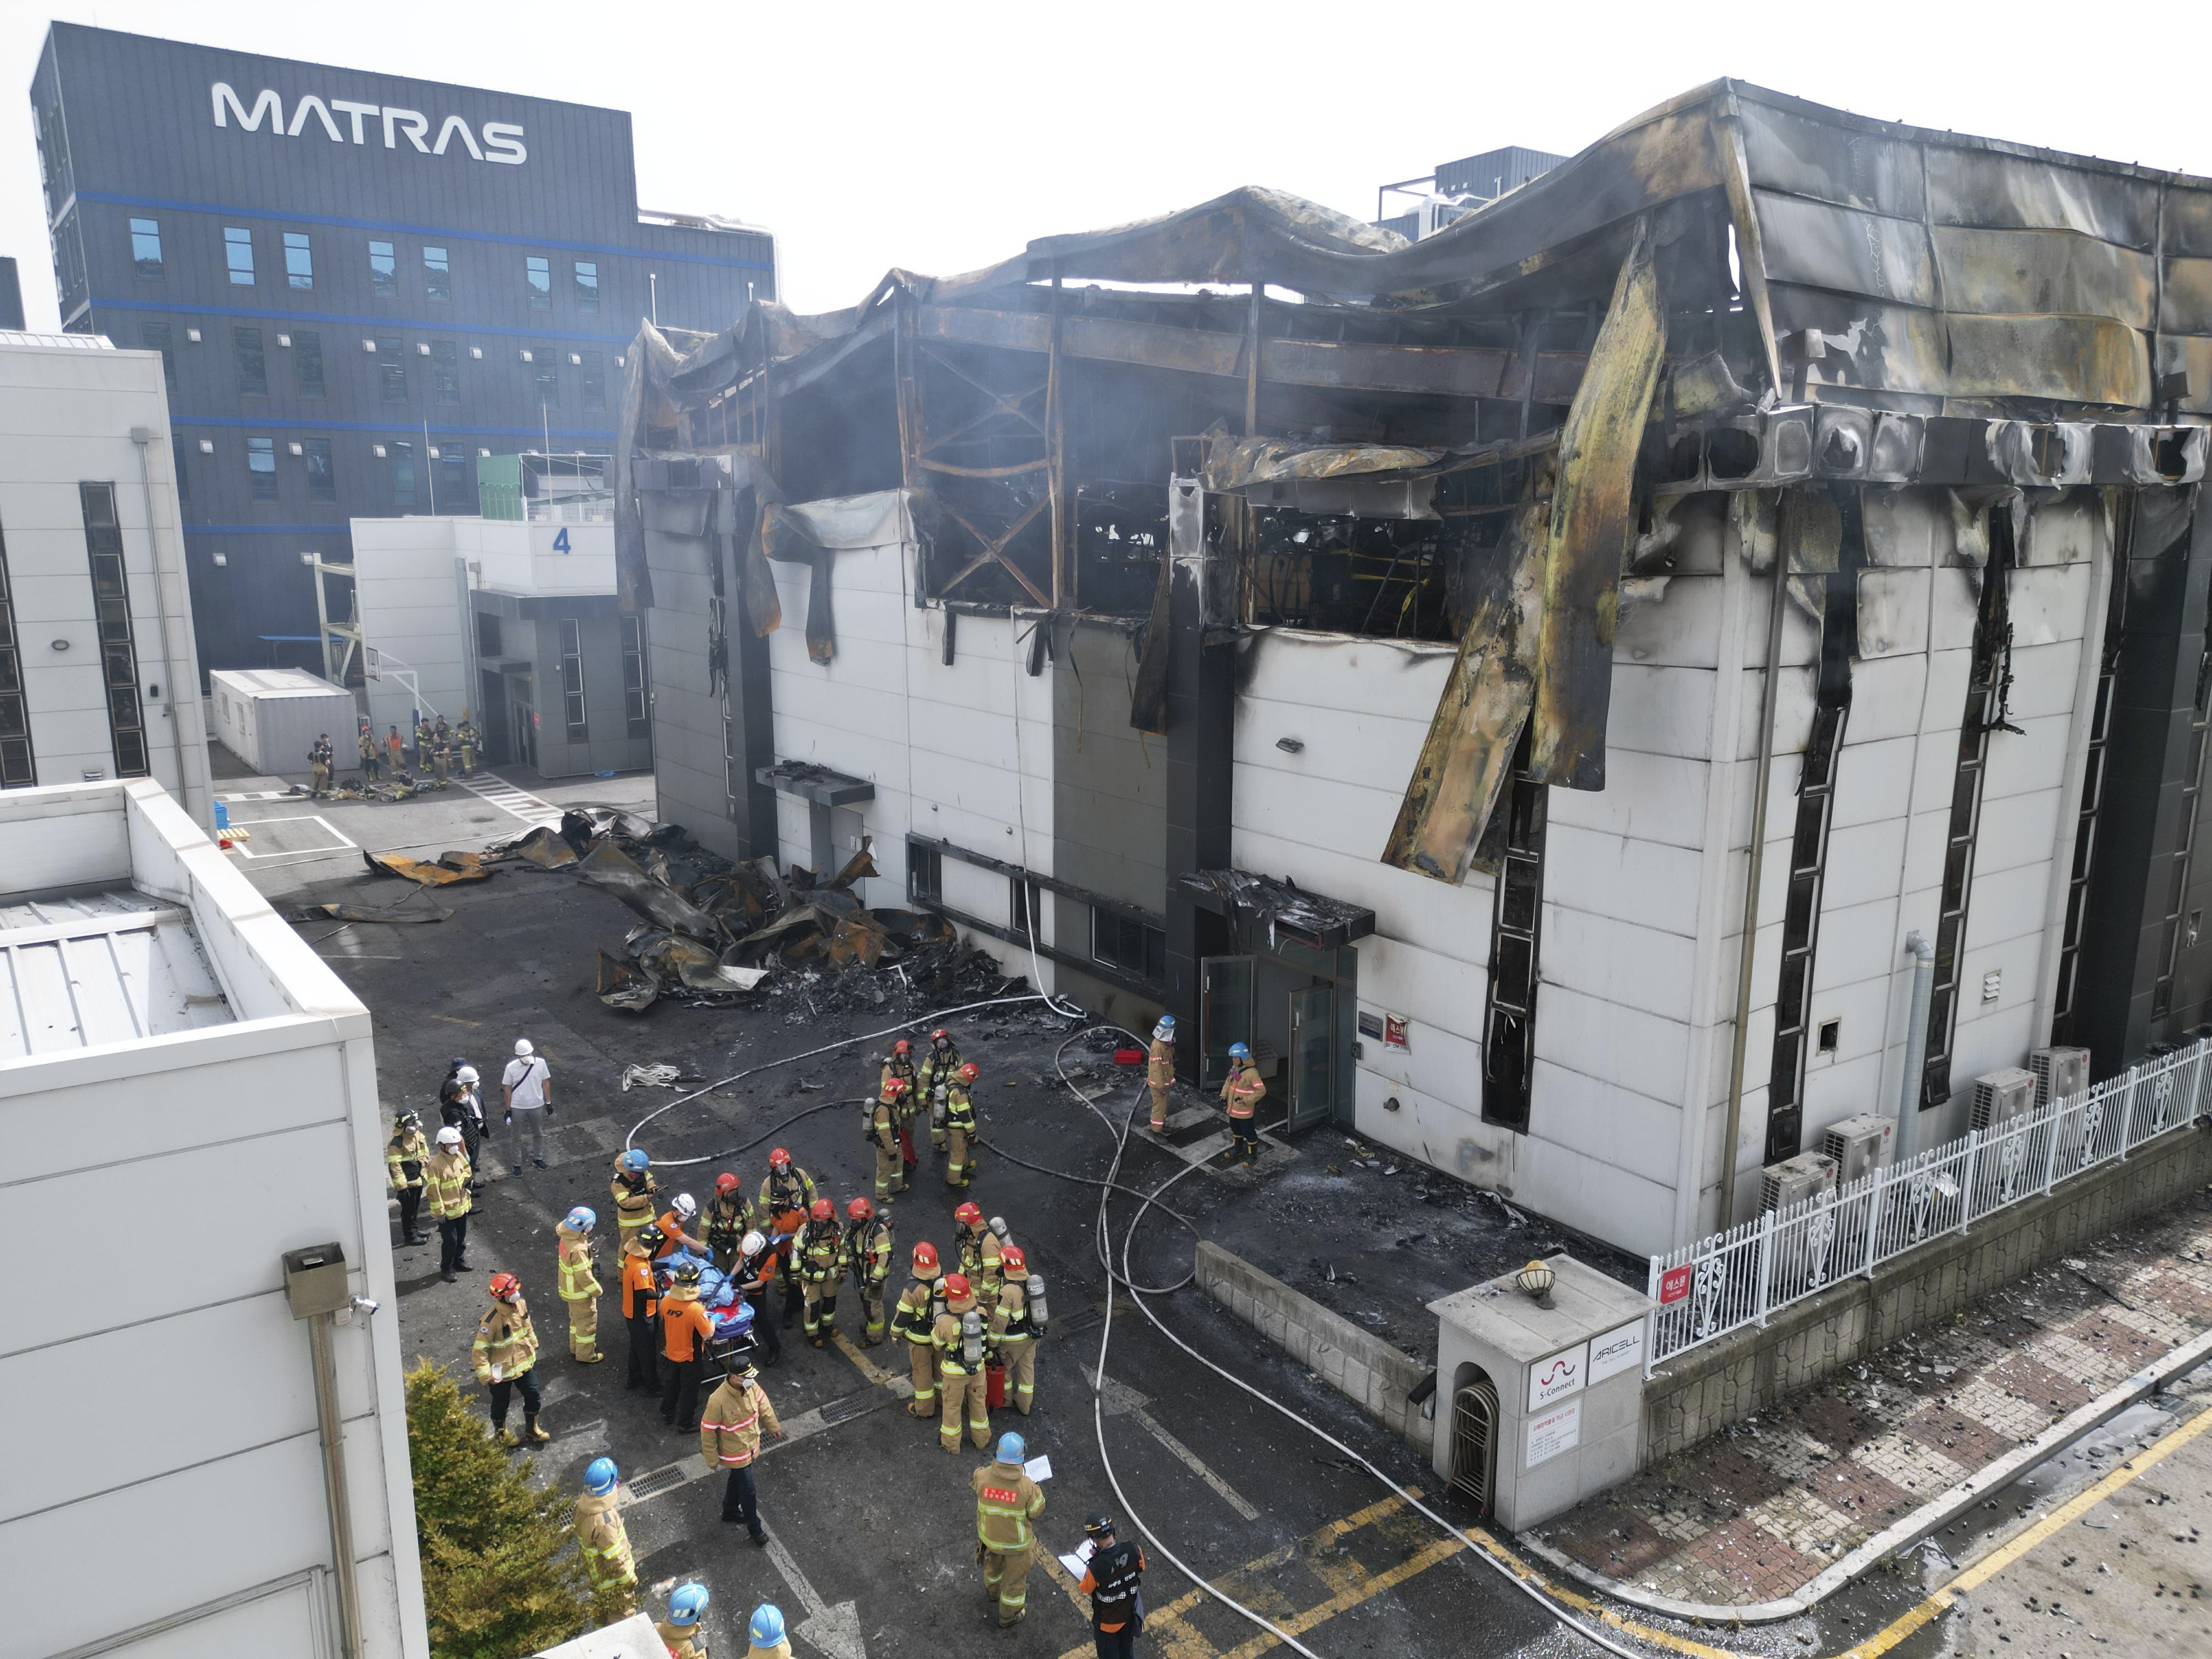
[636, 717]
[150, 265]
[250, 364]
[441, 477]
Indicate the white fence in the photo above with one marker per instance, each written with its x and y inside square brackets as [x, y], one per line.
[1741, 1277]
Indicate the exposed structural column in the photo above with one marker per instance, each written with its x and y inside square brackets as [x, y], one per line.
[748, 702]
[1201, 726]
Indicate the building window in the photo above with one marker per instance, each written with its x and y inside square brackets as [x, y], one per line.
[17, 769]
[298, 260]
[307, 363]
[924, 874]
[261, 467]
[177, 454]
[252, 366]
[1122, 942]
[445, 372]
[538, 273]
[146, 247]
[634, 709]
[238, 255]
[437, 274]
[1509, 1048]
[111, 598]
[572, 679]
[383, 271]
[322, 483]
[545, 366]
[391, 367]
[156, 336]
[588, 285]
[595, 380]
[402, 474]
[489, 646]
[452, 482]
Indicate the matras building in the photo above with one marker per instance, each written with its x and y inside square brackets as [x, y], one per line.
[1549, 686]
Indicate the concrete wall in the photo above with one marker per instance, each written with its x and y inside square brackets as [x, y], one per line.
[690, 774]
[409, 595]
[66, 416]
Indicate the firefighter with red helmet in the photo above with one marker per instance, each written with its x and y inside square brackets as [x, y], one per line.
[868, 1256]
[978, 1244]
[961, 1353]
[729, 1218]
[938, 1066]
[960, 1128]
[914, 1322]
[820, 1250]
[901, 1065]
[505, 1359]
[883, 1136]
[1015, 1326]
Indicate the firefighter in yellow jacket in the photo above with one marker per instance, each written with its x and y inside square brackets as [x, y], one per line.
[935, 1074]
[679, 1633]
[960, 1128]
[868, 1253]
[579, 1284]
[961, 1383]
[1007, 1502]
[635, 1190]
[506, 1359]
[1159, 1070]
[404, 1155]
[883, 1136]
[1015, 1324]
[1240, 1094]
[979, 1248]
[730, 1431]
[601, 1537]
[446, 1188]
[819, 1250]
[914, 1322]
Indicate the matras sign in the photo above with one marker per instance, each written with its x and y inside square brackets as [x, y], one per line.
[341, 120]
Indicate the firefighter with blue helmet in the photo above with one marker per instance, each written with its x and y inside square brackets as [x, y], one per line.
[680, 1631]
[600, 1535]
[635, 1189]
[1240, 1095]
[580, 1282]
[1007, 1505]
[765, 1633]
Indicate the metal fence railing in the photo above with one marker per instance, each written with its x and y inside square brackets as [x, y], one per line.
[1741, 1277]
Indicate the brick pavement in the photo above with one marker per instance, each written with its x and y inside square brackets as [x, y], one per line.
[1755, 1513]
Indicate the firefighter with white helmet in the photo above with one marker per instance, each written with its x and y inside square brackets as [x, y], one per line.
[445, 1181]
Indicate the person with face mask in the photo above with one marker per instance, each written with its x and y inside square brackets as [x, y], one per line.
[404, 1155]
[446, 1185]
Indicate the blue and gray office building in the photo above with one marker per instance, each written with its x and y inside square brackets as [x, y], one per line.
[361, 286]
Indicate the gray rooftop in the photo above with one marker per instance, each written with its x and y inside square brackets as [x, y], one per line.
[84, 970]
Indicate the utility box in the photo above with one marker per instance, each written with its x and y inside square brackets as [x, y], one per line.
[315, 1280]
[1538, 1407]
[270, 718]
[1794, 1180]
[1860, 1144]
[2058, 1073]
[2001, 1096]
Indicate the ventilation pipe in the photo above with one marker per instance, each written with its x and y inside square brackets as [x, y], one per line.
[1916, 1042]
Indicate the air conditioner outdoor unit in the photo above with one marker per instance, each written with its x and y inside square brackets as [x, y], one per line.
[2000, 1097]
[1794, 1180]
[2058, 1073]
[1860, 1144]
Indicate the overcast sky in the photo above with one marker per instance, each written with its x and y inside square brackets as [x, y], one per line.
[939, 138]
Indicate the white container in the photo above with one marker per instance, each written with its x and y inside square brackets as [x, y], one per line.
[270, 718]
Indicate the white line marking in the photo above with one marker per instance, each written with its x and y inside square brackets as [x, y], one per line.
[504, 795]
[345, 843]
[1123, 1400]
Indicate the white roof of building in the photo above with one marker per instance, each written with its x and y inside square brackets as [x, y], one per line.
[80, 970]
[275, 682]
[16, 337]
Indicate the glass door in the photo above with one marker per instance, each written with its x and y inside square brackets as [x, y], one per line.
[1225, 1014]
[1313, 1054]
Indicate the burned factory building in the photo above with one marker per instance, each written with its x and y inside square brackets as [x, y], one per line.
[1405, 657]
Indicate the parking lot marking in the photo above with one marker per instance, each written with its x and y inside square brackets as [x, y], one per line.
[344, 842]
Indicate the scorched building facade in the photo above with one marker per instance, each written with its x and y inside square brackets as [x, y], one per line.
[360, 286]
[1548, 688]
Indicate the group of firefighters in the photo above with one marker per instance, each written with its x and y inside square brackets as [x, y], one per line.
[970, 1326]
[437, 746]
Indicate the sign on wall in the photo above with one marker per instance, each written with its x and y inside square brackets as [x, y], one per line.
[1556, 1431]
[1674, 1285]
[1616, 1351]
[1558, 1376]
[340, 118]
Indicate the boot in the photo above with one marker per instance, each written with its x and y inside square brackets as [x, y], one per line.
[587, 1359]
[503, 1439]
[533, 1434]
[448, 1275]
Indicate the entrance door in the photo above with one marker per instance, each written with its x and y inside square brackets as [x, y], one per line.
[523, 722]
[1474, 1441]
[1225, 1014]
[1313, 1054]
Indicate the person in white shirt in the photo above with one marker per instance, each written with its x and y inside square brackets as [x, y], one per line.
[528, 1087]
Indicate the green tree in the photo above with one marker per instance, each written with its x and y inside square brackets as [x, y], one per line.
[499, 1578]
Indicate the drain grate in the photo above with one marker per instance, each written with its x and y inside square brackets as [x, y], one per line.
[653, 1482]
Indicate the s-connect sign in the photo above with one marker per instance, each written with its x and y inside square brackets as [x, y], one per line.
[343, 117]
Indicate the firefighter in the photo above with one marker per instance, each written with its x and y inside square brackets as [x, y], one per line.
[961, 1383]
[883, 1135]
[320, 757]
[764, 1636]
[820, 1250]
[754, 1273]
[729, 1218]
[460, 1105]
[1243, 1091]
[1014, 1332]
[1159, 1070]
[685, 1331]
[404, 1155]
[641, 1307]
[371, 762]
[937, 1066]
[682, 1212]
[440, 732]
[601, 1538]
[901, 1065]
[868, 1253]
[465, 740]
[1007, 1502]
[915, 1321]
[679, 1633]
[446, 1184]
[960, 1127]
[979, 1247]
[730, 1438]
[505, 1355]
[787, 1194]
[634, 1188]
[579, 1284]
[1112, 1580]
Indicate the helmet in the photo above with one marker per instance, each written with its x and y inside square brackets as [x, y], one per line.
[506, 1286]
[860, 1209]
[651, 1237]
[822, 1209]
[580, 1220]
[779, 1159]
[725, 1182]
[925, 1258]
[687, 1273]
[636, 1161]
[1010, 1448]
[968, 1073]
[894, 1087]
[686, 1205]
[903, 1046]
[956, 1286]
[1097, 1524]
[1167, 1024]
[459, 1061]
[685, 1603]
[970, 1214]
[1238, 1051]
[408, 1120]
[767, 1627]
[522, 1048]
[600, 1475]
[752, 1241]
[466, 1074]
[449, 1136]
[1013, 1260]
[940, 1035]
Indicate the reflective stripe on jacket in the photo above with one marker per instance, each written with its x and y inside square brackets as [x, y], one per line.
[446, 1183]
[505, 1337]
[579, 1281]
[959, 1111]
[403, 1149]
[633, 1200]
[781, 1193]
[1243, 1090]
[731, 1427]
[1006, 1501]
[1159, 1065]
[821, 1252]
[604, 1540]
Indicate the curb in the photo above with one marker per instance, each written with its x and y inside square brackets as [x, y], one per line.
[1931, 1516]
